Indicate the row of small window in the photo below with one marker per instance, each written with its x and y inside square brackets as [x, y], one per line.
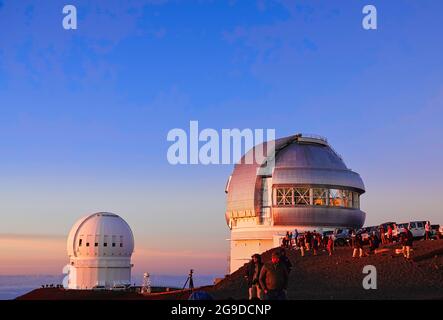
[304, 196]
[105, 244]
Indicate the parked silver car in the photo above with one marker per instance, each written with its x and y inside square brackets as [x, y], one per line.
[342, 237]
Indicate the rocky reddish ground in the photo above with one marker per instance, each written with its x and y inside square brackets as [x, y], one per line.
[317, 277]
[340, 276]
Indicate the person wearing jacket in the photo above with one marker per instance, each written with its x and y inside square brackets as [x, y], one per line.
[315, 243]
[358, 246]
[407, 240]
[308, 238]
[373, 243]
[330, 245]
[428, 230]
[285, 260]
[390, 231]
[302, 245]
[249, 276]
[274, 279]
[382, 235]
[257, 292]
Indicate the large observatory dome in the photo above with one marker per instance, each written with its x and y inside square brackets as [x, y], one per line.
[307, 187]
[100, 234]
[310, 185]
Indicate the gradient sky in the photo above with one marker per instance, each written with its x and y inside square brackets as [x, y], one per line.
[84, 114]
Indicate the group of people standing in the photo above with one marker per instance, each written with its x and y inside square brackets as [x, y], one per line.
[357, 244]
[389, 234]
[405, 238]
[307, 241]
[268, 281]
[392, 233]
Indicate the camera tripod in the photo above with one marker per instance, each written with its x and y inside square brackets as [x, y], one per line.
[190, 280]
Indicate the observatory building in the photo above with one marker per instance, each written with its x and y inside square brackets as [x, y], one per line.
[309, 188]
[99, 248]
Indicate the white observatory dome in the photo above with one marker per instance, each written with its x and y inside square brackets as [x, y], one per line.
[100, 234]
[99, 248]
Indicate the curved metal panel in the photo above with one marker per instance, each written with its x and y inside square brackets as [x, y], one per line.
[315, 176]
[243, 192]
[303, 155]
[319, 216]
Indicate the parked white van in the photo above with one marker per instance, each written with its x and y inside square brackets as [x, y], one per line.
[417, 228]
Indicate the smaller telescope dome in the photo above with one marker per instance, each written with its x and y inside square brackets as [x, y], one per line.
[99, 249]
[100, 234]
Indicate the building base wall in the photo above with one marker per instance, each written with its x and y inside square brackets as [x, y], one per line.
[242, 250]
[89, 277]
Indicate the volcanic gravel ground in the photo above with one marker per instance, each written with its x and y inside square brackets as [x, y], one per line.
[340, 276]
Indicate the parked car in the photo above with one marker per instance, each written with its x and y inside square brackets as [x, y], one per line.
[342, 237]
[401, 227]
[328, 233]
[120, 287]
[417, 228]
[366, 232]
[98, 288]
[435, 231]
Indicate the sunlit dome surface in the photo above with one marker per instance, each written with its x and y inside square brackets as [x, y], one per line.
[100, 234]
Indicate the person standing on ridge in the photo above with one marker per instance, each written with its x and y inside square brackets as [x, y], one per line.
[428, 230]
[390, 234]
[290, 240]
[249, 276]
[302, 245]
[308, 238]
[395, 234]
[295, 236]
[330, 245]
[285, 260]
[274, 279]
[256, 291]
[358, 247]
[382, 235]
[315, 243]
[407, 240]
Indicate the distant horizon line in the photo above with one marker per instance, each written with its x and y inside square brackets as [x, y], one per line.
[185, 274]
[35, 235]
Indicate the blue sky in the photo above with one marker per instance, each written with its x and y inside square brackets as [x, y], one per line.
[84, 113]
